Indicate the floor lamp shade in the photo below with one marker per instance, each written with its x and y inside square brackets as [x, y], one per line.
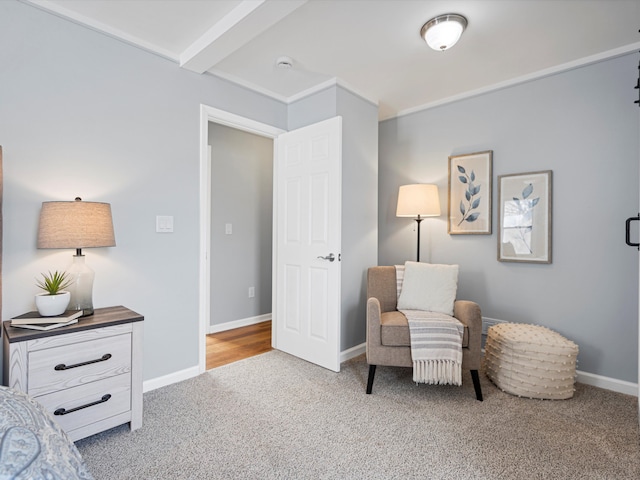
[78, 225]
[418, 201]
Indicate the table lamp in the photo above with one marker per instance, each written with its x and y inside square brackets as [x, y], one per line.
[78, 225]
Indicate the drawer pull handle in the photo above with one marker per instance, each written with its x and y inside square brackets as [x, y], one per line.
[103, 358]
[64, 411]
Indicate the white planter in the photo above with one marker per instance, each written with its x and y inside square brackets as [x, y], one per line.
[52, 305]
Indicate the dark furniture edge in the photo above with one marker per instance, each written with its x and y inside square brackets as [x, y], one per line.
[102, 317]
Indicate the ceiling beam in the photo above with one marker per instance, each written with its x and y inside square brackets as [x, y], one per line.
[245, 22]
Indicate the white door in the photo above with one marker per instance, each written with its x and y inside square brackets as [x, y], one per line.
[307, 175]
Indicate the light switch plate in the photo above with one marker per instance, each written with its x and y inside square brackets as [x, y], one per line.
[164, 224]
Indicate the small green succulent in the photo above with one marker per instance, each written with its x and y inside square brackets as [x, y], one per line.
[53, 283]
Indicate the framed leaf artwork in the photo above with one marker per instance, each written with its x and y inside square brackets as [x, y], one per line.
[470, 178]
[524, 217]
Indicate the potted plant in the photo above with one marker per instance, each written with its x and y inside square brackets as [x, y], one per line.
[54, 300]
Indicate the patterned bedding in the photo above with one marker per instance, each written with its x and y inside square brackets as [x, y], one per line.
[32, 445]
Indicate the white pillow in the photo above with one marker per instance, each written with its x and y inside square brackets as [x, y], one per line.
[429, 287]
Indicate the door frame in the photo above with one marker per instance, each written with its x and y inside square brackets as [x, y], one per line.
[222, 117]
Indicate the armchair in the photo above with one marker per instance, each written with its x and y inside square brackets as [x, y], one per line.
[388, 341]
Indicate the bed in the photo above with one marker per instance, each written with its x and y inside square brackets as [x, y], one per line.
[32, 445]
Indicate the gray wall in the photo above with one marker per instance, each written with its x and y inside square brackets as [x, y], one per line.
[82, 114]
[242, 195]
[359, 195]
[583, 125]
[359, 212]
[314, 108]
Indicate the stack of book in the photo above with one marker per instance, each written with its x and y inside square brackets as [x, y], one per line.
[35, 321]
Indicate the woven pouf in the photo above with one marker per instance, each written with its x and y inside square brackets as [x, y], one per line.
[530, 361]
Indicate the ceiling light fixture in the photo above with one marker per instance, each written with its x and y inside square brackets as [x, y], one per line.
[442, 32]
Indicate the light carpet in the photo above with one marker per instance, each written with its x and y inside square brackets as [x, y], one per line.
[274, 416]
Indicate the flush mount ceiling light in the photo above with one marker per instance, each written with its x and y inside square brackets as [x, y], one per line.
[442, 32]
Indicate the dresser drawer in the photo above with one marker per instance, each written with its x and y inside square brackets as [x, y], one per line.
[71, 365]
[118, 390]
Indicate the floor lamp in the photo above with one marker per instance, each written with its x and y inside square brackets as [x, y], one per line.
[418, 201]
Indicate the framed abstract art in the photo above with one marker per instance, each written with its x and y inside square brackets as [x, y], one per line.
[470, 178]
[524, 217]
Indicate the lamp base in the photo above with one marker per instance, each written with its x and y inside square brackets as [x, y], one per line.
[81, 288]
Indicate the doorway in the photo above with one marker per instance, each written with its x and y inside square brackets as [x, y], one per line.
[306, 285]
[211, 115]
[240, 257]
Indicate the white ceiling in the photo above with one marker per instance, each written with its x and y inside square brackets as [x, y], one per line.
[370, 46]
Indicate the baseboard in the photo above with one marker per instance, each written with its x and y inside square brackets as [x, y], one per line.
[175, 377]
[620, 386]
[353, 352]
[243, 322]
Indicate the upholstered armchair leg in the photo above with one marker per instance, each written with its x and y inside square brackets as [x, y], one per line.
[372, 373]
[476, 384]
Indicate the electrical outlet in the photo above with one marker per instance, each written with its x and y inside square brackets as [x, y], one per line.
[252, 292]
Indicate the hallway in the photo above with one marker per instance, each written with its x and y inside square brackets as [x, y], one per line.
[233, 345]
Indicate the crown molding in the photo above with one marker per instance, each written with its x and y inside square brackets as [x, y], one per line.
[582, 62]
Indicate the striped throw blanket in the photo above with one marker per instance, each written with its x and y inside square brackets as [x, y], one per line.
[436, 344]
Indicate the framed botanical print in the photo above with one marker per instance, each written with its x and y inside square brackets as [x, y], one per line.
[470, 178]
[524, 217]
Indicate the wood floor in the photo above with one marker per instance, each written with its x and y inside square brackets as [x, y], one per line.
[233, 345]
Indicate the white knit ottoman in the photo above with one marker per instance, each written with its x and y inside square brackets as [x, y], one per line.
[530, 361]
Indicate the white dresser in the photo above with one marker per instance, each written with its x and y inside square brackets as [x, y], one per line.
[88, 375]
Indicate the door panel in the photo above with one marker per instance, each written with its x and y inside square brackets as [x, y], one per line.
[293, 214]
[292, 293]
[318, 314]
[308, 223]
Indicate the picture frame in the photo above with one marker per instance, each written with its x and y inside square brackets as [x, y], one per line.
[524, 217]
[470, 193]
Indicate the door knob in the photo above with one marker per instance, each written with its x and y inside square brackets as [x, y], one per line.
[331, 257]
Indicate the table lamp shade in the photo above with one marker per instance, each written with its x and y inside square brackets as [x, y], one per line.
[75, 224]
[418, 200]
